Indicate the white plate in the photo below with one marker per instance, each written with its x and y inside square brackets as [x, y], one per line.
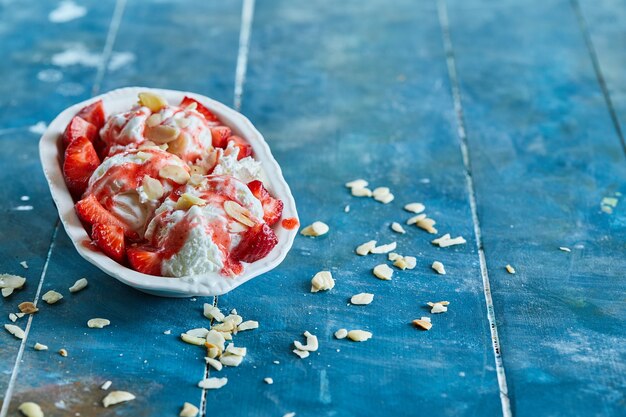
[50, 152]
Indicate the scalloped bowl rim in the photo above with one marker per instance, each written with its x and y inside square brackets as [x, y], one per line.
[196, 285]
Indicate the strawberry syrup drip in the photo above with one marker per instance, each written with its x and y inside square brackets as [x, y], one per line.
[290, 223]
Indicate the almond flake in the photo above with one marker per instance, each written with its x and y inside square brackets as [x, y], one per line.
[384, 248]
[63, 353]
[445, 241]
[212, 312]
[15, 330]
[438, 266]
[346, 209]
[238, 351]
[443, 303]
[192, 340]
[200, 332]
[380, 192]
[437, 308]
[268, 381]
[161, 134]
[248, 325]
[311, 343]
[316, 229]
[422, 324]
[186, 201]
[24, 264]
[174, 173]
[226, 326]
[397, 227]
[415, 219]
[213, 383]
[510, 269]
[106, 385]
[51, 297]
[361, 192]
[301, 353]
[39, 346]
[11, 281]
[152, 101]
[7, 291]
[362, 298]
[359, 335]
[12, 317]
[216, 339]
[152, 187]
[215, 364]
[427, 224]
[79, 285]
[385, 199]
[564, 249]
[415, 207]
[98, 323]
[239, 213]
[231, 360]
[366, 248]
[27, 307]
[383, 272]
[322, 281]
[116, 397]
[189, 410]
[154, 119]
[357, 184]
[30, 409]
[341, 334]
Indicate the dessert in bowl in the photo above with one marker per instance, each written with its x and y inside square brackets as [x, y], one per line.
[170, 192]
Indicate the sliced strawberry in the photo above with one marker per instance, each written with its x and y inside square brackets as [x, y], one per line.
[232, 267]
[245, 149]
[81, 160]
[94, 114]
[79, 127]
[208, 114]
[90, 211]
[258, 241]
[110, 239]
[220, 135]
[272, 207]
[143, 260]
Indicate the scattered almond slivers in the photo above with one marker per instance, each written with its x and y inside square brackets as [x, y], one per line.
[360, 183]
[415, 219]
[564, 249]
[13, 317]
[402, 262]
[212, 312]
[383, 271]
[397, 227]
[212, 383]
[383, 195]
[423, 323]
[301, 353]
[79, 285]
[215, 343]
[98, 323]
[311, 343]
[175, 173]
[361, 192]
[39, 346]
[51, 297]
[192, 340]
[239, 213]
[152, 188]
[322, 281]
[445, 241]
[384, 248]
[9, 283]
[427, 224]
[215, 364]
[15, 331]
[189, 410]
[362, 298]
[248, 325]
[154, 119]
[510, 269]
[106, 385]
[27, 307]
[63, 352]
[152, 101]
[415, 207]
[200, 332]
[161, 134]
[359, 335]
[316, 229]
[341, 334]
[30, 409]
[116, 397]
[365, 248]
[186, 201]
[438, 266]
[268, 381]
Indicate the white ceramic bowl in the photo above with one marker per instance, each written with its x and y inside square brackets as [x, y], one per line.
[115, 101]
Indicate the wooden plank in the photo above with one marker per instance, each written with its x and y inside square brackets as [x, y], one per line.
[184, 45]
[34, 90]
[341, 93]
[544, 154]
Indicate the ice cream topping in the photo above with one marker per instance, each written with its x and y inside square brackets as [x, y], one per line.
[169, 190]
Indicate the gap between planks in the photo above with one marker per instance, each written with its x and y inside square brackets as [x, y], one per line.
[458, 108]
[584, 28]
[247, 16]
[114, 25]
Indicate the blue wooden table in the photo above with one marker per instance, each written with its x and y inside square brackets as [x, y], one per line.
[506, 119]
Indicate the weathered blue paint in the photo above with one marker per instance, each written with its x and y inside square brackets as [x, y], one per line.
[544, 153]
[340, 92]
